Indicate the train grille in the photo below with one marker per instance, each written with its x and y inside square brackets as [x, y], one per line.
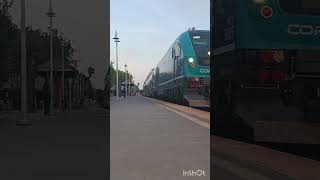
[206, 81]
[308, 62]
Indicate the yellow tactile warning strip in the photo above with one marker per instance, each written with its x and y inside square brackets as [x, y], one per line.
[201, 115]
[195, 120]
[291, 165]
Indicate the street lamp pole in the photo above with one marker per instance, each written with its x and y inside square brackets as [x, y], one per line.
[62, 58]
[51, 15]
[23, 73]
[130, 86]
[79, 82]
[125, 66]
[70, 91]
[116, 40]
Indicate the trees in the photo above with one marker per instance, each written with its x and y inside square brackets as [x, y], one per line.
[38, 47]
[38, 43]
[113, 76]
[9, 51]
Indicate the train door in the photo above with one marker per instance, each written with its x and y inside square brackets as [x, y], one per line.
[176, 56]
[156, 85]
[174, 63]
[178, 86]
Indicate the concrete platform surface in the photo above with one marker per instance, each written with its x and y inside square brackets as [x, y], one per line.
[148, 142]
[238, 160]
[71, 145]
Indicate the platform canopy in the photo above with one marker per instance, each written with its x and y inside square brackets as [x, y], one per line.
[130, 83]
[45, 67]
[69, 70]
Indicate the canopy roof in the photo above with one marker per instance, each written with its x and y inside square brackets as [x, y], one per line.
[45, 67]
[127, 82]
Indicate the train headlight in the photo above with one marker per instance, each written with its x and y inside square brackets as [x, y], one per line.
[191, 60]
[259, 1]
[278, 56]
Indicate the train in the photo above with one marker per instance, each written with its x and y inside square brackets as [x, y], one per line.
[266, 70]
[183, 74]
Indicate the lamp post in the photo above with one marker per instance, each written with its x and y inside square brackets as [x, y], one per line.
[70, 94]
[129, 85]
[62, 75]
[23, 73]
[126, 72]
[79, 82]
[51, 15]
[116, 40]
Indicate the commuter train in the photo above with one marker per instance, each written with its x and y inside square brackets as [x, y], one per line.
[183, 75]
[266, 77]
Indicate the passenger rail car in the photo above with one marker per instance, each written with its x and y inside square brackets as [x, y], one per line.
[147, 86]
[183, 74]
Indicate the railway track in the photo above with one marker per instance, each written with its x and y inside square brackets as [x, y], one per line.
[310, 151]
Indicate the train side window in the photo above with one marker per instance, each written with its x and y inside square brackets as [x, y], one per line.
[173, 53]
[177, 49]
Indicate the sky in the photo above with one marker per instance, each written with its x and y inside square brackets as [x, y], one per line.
[83, 22]
[147, 28]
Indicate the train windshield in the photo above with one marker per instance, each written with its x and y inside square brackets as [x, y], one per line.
[311, 7]
[201, 45]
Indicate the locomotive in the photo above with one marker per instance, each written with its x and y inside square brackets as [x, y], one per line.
[183, 74]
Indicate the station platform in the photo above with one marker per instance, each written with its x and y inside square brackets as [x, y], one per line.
[149, 141]
[239, 160]
[70, 145]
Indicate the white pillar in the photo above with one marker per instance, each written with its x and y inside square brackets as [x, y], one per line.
[126, 84]
[117, 72]
[117, 58]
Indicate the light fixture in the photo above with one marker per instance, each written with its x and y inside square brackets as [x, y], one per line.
[267, 12]
[259, 1]
[191, 60]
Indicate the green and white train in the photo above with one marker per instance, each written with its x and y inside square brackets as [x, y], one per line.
[183, 74]
[266, 70]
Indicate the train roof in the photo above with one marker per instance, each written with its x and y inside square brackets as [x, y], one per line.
[192, 32]
[184, 35]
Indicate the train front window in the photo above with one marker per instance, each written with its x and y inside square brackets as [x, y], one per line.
[309, 7]
[201, 45]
